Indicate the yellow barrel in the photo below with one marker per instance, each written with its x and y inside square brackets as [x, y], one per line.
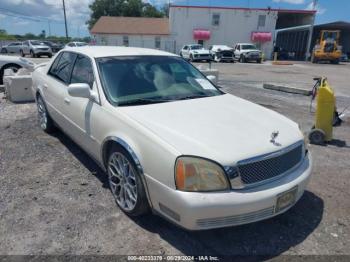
[325, 109]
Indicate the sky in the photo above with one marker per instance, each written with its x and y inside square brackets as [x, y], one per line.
[23, 16]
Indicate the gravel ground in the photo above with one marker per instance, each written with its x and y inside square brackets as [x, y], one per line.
[55, 200]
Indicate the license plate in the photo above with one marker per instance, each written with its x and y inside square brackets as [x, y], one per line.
[286, 199]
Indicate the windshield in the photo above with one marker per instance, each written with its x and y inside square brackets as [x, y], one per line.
[246, 47]
[196, 47]
[36, 43]
[151, 79]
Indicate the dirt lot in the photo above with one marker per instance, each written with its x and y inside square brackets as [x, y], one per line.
[55, 200]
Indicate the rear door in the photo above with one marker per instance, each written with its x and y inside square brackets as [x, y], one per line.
[55, 87]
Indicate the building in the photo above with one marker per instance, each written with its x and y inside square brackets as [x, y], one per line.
[133, 31]
[207, 25]
[295, 39]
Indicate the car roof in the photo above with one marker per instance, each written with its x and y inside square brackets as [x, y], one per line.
[109, 51]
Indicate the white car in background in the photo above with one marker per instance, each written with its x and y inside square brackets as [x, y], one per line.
[150, 119]
[35, 48]
[12, 48]
[246, 52]
[76, 44]
[195, 53]
[222, 53]
[14, 63]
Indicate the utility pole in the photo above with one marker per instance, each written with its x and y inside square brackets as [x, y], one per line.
[65, 18]
[311, 31]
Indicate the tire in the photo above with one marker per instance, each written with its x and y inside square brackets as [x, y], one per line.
[50, 55]
[14, 67]
[191, 58]
[22, 54]
[126, 183]
[181, 54]
[259, 61]
[32, 54]
[4, 51]
[242, 59]
[317, 137]
[45, 121]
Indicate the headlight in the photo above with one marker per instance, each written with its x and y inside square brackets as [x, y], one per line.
[196, 174]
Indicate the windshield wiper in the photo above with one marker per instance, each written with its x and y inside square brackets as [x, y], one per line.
[191, 97]
[143, 101]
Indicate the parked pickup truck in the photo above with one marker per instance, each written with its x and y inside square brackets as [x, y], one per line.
[245, 52]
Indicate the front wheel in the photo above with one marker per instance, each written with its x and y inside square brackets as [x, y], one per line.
[22, 53]
[32, 54]
[242, 59]
[125, 183]
[4, 51]
[45, 121]
[259, 61]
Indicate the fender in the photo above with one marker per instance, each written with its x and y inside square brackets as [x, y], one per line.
[133, 155]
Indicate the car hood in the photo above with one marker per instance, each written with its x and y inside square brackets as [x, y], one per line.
[223, 128]
[200, 51]
[251, 50]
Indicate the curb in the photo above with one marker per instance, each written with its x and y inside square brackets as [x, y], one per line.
[287, 89]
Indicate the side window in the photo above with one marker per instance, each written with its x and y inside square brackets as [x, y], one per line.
[157, 42]
[216, 19]
[261, 20]
[64, 66]
[125, 40]
[82, 71]
[185, 47]
[53, 68]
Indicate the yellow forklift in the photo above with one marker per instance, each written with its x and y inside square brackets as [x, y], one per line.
[327, 47]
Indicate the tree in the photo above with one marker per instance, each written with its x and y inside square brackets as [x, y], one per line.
[133, 8]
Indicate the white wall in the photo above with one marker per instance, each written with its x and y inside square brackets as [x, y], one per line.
[146, 41]
[235, 26]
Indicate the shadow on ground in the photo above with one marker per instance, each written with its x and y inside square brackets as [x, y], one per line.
[267, 238]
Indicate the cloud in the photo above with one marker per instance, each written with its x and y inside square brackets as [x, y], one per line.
[294, 2]
[320, 10]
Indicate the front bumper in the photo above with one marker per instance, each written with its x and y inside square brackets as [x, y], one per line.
[196, 211]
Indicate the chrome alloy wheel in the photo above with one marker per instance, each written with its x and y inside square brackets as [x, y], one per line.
[122, 180]
[42, 113]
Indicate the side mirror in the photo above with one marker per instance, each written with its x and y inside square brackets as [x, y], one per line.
[211, 78]
[79, 90]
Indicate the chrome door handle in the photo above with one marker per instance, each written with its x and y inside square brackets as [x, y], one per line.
[67, 101]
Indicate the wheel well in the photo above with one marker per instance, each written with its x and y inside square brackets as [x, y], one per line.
[9, 65]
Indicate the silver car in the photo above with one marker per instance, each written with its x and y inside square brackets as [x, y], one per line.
[14, 47]
[35, 48]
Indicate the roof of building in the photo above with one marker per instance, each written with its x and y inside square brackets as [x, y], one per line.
[110, 51]
[131, 26]
[341, 25]
[249, 9]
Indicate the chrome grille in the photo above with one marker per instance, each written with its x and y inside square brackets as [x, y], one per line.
[268, 167]
[237, 219]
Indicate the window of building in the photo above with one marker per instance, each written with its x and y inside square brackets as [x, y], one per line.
[157, 42]
[125, 40]
[216, 19]
[262, 20]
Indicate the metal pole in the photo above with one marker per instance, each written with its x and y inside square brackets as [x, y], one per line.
[311, 31]
[65, 18]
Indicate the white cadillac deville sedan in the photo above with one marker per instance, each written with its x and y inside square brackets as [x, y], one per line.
[169, 140]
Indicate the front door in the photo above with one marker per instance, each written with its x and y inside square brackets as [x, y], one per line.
[78, 110]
